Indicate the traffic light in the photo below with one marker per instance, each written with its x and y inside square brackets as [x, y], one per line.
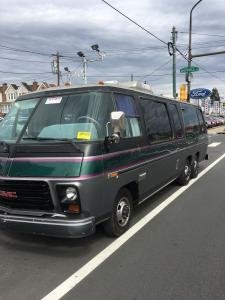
[183, 92]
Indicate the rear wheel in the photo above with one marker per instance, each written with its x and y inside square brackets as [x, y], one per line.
[195, 167]
[121, 214]
[185, 176]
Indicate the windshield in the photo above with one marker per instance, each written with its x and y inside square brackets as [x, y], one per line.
[13, 123]
[81, 116]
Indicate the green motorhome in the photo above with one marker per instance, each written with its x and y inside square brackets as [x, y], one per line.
[75, 157]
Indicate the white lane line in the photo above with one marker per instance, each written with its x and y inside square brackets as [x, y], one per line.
[91, 265]
[214, 145]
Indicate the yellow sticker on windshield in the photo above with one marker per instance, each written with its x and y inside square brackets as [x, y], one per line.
[84, 135]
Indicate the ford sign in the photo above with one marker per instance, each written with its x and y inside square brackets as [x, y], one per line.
[200, 93]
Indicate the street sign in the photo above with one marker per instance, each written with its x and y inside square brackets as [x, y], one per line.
[189, 70]
[200, 93]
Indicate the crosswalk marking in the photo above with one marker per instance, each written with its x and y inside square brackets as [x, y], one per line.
[214, 145]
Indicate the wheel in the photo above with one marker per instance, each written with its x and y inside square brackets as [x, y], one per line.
[194, 167]
[121, 214]
[185, 176]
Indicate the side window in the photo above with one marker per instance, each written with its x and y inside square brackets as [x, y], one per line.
[203, 128]
[127, 104]
[156, 120]
[190, 119]
[176, 120]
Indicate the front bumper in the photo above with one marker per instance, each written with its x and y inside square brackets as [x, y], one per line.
[48, 226]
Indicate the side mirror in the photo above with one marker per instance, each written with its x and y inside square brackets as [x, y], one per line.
[118, 125]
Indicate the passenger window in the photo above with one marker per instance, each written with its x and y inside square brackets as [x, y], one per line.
[203, 128]
[190, 119]
[156, 120]
[178, 132]
[127, 104]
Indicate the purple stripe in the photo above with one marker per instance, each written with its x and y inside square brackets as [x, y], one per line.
[114, 154]
[74, 159]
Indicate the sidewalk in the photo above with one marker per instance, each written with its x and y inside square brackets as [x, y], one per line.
[219, 129]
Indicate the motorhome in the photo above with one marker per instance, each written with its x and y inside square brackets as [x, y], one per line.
[75, 157]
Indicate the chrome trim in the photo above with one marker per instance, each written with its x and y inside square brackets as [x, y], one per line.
[46, 221]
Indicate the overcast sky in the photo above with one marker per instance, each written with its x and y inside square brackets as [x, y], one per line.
[69, 26]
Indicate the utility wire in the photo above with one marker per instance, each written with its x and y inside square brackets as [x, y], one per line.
[156, 69]
[210, 73]
[156, 37]
[24, 60]
[207, 34]
[26, 51]
[25, 73]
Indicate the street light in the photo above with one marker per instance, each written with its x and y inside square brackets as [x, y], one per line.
[68, 75]
[188, 79]
[94, 47]
[84, 60]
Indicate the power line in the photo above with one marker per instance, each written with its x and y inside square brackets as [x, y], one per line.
[23, 60]
[156, 37]
[210, 73]
[21, 50]
[158, 68]
[207, 34]
[150, 33]
[24, 73]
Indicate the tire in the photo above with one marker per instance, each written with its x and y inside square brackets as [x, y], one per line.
[121, 214]
[185, 176]
[195, 167]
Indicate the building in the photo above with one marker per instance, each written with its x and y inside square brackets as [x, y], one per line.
[9, 93]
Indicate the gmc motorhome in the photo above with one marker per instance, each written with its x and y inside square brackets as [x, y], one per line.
[72, 158]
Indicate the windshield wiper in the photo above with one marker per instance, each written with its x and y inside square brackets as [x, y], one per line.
[71, 141]
[45, 138]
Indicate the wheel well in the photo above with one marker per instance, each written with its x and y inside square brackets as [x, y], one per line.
[189, 158]
[197, 155]
[133, 188]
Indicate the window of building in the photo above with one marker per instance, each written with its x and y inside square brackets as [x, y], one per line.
[156, 120]
[178, 132]
[126, 104]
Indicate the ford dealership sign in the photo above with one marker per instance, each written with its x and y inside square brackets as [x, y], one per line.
[200, 93]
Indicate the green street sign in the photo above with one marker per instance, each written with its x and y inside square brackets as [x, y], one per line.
[189, 70]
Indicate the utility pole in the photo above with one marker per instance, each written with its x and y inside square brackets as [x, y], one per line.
[174, 38]
[58, 71]
[56, 67]
[85, 69]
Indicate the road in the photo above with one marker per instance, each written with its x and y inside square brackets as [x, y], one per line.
[178, 254]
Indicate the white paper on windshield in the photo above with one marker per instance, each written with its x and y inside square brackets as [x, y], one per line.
[53, 100]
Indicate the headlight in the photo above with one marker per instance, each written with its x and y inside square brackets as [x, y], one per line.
[71, 193]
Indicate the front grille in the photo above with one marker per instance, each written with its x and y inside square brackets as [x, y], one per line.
[32, 195]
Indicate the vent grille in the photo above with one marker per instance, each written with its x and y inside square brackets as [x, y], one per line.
[31, 195]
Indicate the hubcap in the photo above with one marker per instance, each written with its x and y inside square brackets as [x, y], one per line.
[195, 164]
[187, 172]
[123, 212]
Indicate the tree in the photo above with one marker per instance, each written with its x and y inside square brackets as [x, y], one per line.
[215, 96]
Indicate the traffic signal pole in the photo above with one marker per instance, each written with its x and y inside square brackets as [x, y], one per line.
[188, 77]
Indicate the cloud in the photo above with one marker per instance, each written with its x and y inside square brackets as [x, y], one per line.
[70, 26]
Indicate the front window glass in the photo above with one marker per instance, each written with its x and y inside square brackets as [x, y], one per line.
[126, 104]
[13, 123]
[81, 116]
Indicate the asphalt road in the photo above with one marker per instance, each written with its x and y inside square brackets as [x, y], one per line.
[180, 254]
